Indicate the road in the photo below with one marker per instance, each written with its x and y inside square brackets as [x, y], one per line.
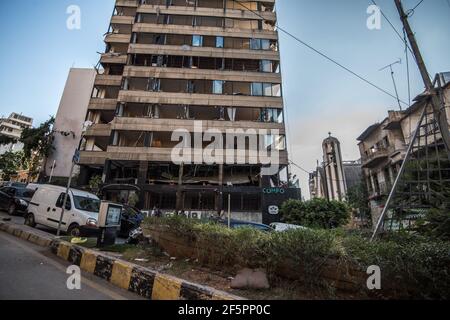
[30, 272]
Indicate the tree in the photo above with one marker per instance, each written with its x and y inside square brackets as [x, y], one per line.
[5, 140]
[357, 199]
[10, 163]
[316, 213]
[38, 145]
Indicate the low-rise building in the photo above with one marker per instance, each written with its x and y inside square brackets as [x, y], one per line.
[383, 147]
[12, 127]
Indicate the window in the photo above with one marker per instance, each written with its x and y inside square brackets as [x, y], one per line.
[218, 86]
[276, 90]
[60, 202]
[197, 41]
[266, 66]
[257, 89]
[219, 42]
[255, 44]
[87, 204]
[267, 89]
[265, 44]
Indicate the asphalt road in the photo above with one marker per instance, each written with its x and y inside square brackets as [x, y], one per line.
[30, 272]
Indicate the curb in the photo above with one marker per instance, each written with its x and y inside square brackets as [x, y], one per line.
[142, 281]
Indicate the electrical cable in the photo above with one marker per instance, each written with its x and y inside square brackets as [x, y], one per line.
[324, 55]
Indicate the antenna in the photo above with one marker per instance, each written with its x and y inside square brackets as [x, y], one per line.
[399, 61]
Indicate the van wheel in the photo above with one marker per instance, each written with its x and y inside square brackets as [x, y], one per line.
[74, 231]
[29, 220]
[11, 209]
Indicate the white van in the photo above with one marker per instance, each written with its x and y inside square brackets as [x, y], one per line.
[80, 216]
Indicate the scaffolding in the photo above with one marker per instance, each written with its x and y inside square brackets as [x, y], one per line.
[423, 182]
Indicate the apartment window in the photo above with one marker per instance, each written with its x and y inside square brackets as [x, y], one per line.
[257, 89]
[219, 42]
[218, 86]
[197, 41]
[267, 89]
[276, 90]
[255, 44]
[265, 44]
[266, 66]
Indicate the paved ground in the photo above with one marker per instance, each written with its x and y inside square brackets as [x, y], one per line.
[30, 272]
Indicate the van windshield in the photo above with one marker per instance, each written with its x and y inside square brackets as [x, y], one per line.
[86, 204]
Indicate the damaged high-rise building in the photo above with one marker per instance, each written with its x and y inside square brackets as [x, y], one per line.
[203, 67]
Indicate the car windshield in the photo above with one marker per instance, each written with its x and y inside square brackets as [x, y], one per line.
[86, 204]
[25, 193]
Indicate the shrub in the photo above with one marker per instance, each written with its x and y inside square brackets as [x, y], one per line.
[418, 267]
[316, 213]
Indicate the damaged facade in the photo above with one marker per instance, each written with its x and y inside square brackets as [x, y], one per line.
[167, 65]
[383, 147]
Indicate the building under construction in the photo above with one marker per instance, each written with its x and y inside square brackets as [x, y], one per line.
[168, 66]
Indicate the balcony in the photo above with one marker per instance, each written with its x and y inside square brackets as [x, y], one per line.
[207, 12]
[147, 124]
[93, 158]
[203, 30]
[108, 80]
[164, 154]
[122, 20]
[117, 38]
[186, 73]
[199, 99]
[113, 58]
[376, 157]
[127, 3]
[98, 130]
[102, 104]
[190, 51]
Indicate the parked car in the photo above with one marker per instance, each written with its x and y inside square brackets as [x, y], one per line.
[33, 186]
[235, 224]
[131, 220]
[14, 184]
[281, 227]
[81, 211]
[15, 199]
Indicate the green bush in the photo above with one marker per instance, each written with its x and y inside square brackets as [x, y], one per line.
[418, 266]
[316, 213]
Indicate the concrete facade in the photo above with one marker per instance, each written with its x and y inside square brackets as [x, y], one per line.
[12, 127]
[169, 65]
[383, 147]
[70, 117]
[332, 179]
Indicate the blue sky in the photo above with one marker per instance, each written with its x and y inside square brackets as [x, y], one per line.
[38, 51]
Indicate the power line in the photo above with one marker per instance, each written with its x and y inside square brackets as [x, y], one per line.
[417, 5]
[324, 55]
[392, 25]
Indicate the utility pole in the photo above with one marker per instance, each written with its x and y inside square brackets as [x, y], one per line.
[438, 108]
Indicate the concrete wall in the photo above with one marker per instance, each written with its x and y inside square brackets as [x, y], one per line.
[70, 117]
